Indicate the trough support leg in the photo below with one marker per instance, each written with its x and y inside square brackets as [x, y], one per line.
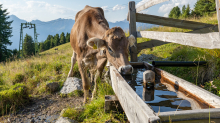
[112, 104]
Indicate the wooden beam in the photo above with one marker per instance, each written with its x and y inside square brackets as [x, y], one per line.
[134, 107]
[149, 4]
[207, 40]
[170, 22]
[150, 44]
[195, 116]
[132, 29]
[217, 2]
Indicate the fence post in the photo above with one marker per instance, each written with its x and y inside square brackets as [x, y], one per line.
[132, 29]
[217, 2]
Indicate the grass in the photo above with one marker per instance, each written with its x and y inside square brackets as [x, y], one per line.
[94, 111]
[34, 72]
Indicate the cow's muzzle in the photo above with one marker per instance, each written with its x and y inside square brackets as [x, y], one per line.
[126, 70]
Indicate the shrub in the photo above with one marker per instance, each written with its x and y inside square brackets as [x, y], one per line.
[18, 78]
[12, 98]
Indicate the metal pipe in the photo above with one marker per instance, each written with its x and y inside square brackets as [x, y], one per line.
[179, 63]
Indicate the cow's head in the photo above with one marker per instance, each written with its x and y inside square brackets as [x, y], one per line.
[116, 45]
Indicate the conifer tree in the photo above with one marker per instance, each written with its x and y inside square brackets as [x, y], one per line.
[29, 46]
[5, 33]
[62, 38]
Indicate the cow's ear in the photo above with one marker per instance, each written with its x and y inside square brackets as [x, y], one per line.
[131, 40]
[96, 43]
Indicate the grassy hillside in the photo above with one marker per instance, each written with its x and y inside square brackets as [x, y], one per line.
[25, 78]
[175, 52]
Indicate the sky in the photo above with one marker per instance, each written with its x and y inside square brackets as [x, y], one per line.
[115, 10]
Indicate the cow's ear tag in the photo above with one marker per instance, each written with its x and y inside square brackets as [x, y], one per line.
[94, 46]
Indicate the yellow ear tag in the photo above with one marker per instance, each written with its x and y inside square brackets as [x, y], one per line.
[94, 46]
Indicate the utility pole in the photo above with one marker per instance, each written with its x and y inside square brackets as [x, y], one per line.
[26, 25]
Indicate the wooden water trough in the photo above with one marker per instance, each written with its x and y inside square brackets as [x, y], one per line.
[137, 111]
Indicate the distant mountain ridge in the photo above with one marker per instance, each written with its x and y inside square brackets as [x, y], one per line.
[54, 27]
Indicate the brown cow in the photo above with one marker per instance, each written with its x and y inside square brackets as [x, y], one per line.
[94, 43]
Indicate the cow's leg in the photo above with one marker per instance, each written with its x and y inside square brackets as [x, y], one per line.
[73, 61]
[85, 80]
[98, 75]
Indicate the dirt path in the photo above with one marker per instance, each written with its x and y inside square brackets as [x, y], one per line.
[43, 109]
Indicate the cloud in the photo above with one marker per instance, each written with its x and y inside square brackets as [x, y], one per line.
[166, 8]
[141, 3]
[105, 8]
[118, 7]
[41, 10]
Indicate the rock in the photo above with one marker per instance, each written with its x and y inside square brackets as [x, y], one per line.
[52, 87]
[71, 84]
[147, 58]
[65, 120]
[32, 121]
[62, 112]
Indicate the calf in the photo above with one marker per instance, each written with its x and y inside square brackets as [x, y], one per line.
[94, 43]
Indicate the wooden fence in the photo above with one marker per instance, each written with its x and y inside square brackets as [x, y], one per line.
[203, 35]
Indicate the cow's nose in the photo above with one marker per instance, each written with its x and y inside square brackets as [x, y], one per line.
[126, 70]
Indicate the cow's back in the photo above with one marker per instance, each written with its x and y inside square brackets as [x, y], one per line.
[89, 22]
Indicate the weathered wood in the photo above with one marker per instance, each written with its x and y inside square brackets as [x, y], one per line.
[132, 29]
[112, 104]
[208, 40]
[134, 107]
[198, 114]
[217, 2]
[188, 87]
[149, 4]
[137, 64]
[150, 44]
[145, 18]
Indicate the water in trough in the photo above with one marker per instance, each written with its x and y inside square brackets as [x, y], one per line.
[161, 97]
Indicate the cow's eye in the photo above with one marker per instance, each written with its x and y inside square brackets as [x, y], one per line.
[110, 50]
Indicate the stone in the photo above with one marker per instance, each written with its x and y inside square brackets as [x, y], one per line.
[52, 87]
[65, 120]
[71, 84]
[146, 57]
[32, 121]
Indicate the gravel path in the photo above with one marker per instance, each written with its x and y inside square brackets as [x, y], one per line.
[42, 109]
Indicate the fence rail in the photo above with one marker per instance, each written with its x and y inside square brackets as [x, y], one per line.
[203, 35]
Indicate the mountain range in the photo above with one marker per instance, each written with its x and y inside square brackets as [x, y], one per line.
[54, 27]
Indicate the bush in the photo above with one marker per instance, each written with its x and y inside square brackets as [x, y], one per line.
[12, 98]
[18, 78]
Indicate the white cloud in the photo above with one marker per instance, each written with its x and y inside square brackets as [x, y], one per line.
[166, 8]
[141, 3]
[41, 10]
[166, 15]
[118, 7]
[105, 8]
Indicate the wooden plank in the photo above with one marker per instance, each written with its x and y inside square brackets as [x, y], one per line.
[149, 4]
[194, 90]
[217, 2]
[197, 114]
[206, 40]
[137, 64]
[145, 18]
[132, 29]
[150, 44]
[134, 107]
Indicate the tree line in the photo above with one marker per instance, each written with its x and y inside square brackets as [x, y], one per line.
[53, 41]
[201, 7]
